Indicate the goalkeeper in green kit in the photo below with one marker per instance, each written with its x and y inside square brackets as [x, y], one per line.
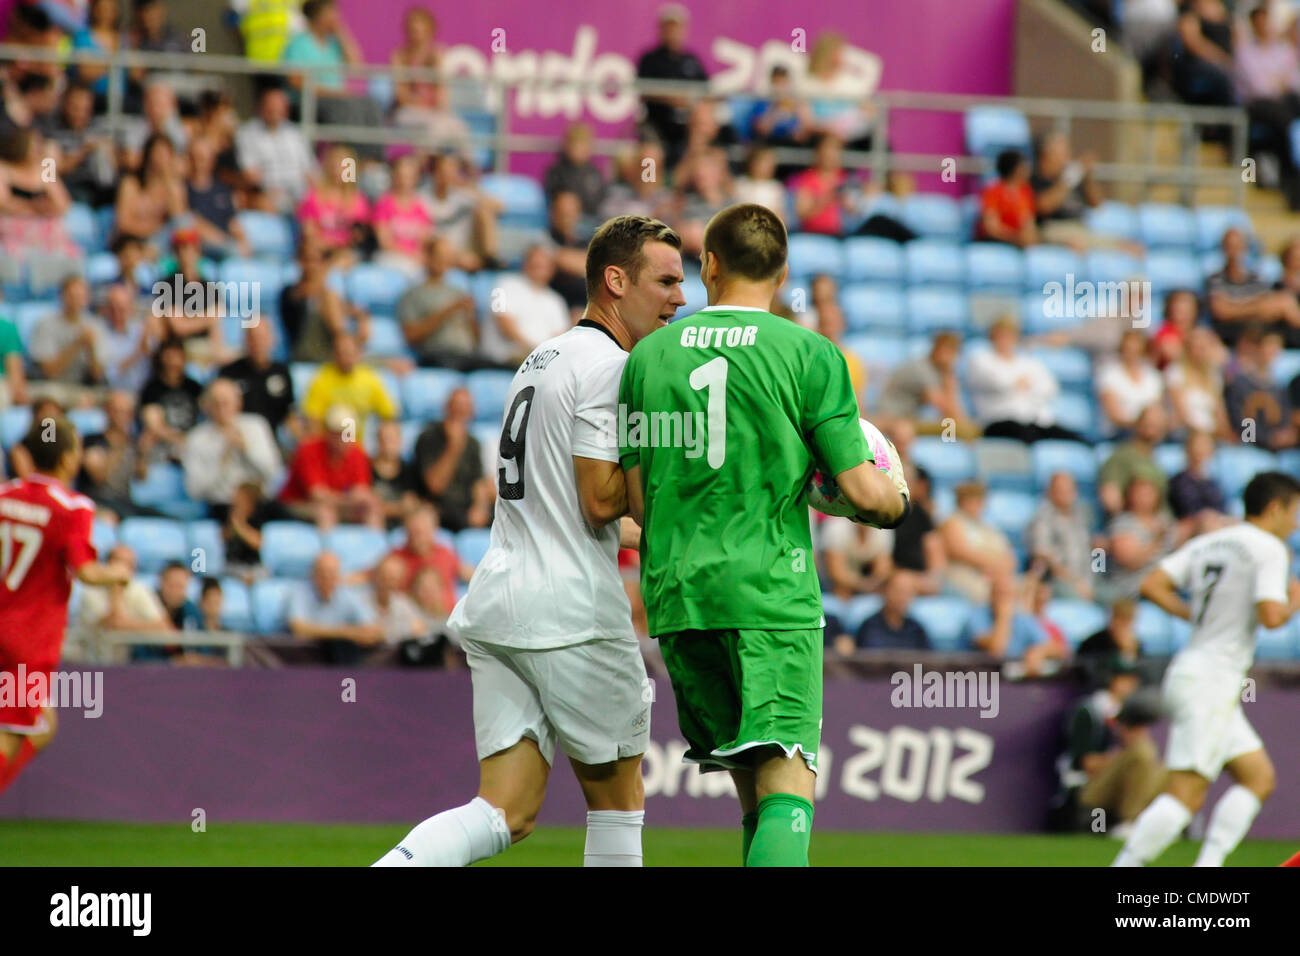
[724, 417]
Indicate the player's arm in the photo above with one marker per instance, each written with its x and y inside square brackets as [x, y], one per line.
[1273, 614]
[874, 494]
[635, 495]
[94, 573]
[1158, 588]
[629, 534]
[602, 490]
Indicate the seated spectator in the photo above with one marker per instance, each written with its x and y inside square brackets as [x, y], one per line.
[335, 212]
[159, 116]
[530, 310]
[438, 319]
[133, 607]
[1059, 540]
[87, 163]
[1266, 71]
[129, 335]
[1238, 295]
[13, 371]
[346, 381]
[925, 391]
[336, 618]
[1129, 383]
[1194, 497]
[1022, 636]
[891, 627]
[329, 478]
[829, 320]
[704, 136]
[274, 157]
[980, 557]
[401, 220]
[433, 649]
[313, 313]
[1007, 207]
[670, 60]
[707, 192]
[398, 617]
[194, 320]
[419, 49]
[1097, 654]
[463, 214]
[102, 33]
[40, 99]
[918, 544]
[390, 476]
[1064, 190]
[639, 187]
[442, 127]
[1013, 391]
[857, 557]
[218, 123]
[241, 532]
[1195, 387]
[31, 208]
[1287, 318]
[423, 550]
[570, 279]
[1132, 459]
[574, 172]
[67, 347]
[212, 204]
[231, 448]
[1259, 407]
[759, 184]
[1139, 536]
[151, 33]
[1170, 340]
[169, 404]
[1203, 67]
[148, 200]
[780, 118]
[839, 94]
[112, 460]
[820, 193]
[265, 384]
[205, 613]
[449, 468]
[201, 615]
[133, 266]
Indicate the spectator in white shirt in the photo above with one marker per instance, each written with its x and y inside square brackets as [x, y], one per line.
[759, 184]
[1013, 392]
[230, 449]
[525, 310]
[129, 335]
[1129, 383]
[274, 155]
[397, 615]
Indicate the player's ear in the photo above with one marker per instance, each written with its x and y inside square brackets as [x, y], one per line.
[616, 281]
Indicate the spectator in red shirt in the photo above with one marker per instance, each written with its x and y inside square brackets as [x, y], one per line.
[424, 550]
[329, 479]
[1181, 311]
[819, 195]
[1007, 206]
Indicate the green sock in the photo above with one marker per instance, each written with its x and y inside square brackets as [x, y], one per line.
[749, 823]
[784, 828]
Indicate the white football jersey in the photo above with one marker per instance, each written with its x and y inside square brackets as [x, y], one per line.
[549, 580]
[1226, 572]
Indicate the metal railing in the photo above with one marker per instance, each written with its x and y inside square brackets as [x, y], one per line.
[103, 645]
[1187, 175]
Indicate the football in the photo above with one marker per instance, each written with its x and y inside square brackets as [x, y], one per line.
[824, 494]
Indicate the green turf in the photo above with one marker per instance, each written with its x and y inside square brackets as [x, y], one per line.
[57, 843]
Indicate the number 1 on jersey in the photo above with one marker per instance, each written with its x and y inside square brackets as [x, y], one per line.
[713, 376]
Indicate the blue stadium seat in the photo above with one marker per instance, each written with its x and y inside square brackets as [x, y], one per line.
[375, 287]
[697, 297]
[236, 605]
[386, 338]
[1077, 413]
[872, 259]
[103, 536]
[82, 228]
[854, 611]
[934, 261]
[883, 351]
[102, 268]
[155, 541]
[302, 374]
[1072, 367]
[1011, 512]
[489, 388]
[88, 421]
[1113, 218]
[1269, 269]
[995, 266]
[289, 548]
[270, 599]
[1040, 313]
[1179, 632]
[1111, 265]
[1286, 366]
[933, 216]
[204, 540]
[472, 544]
[875, 306]
[946, 461]
[930, 309]
[1171, 457]
[1278, 643]
[1076, 619]
[425, 392]
[1164, 225]
[522, 197]
[1168, 270]
[810, 254]
[944, 620]
[392, 385]
[1234, 465]
[163, 489]
[1213, 221]
[1289, 461]
[1004, 464]
[1048, 263]
[481, 123]
[482, 285]
[359, 548]
[14, 424]
[25, 315]
[1152, 628]
[265, 278]
[1076, 458]
[991, 129]
[268, 234]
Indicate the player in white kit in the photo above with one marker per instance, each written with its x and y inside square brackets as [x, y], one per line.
[1237, 580]
[545, 624]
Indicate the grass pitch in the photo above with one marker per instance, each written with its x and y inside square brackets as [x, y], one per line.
[72, 844]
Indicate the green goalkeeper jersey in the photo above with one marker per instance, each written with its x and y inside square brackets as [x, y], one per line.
[728, 412]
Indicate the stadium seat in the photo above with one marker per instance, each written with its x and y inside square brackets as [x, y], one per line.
[155, 541]
[1075, 458]
[1169, 269]
[270, 599]
[697, 297]
[1213, 221]
[854, 611]
[103, 536]
[14, 424]
[882, 351]
[1010, 511]
[266, 282]
[359, 548]
[1171, 457]
[1078, 620]
[1151, 624]
[944, 620]
[302, 374]
[1004, 464]
[991, 129]
[1286, 367]
[236, 605]
[946, 461]
[873, 306]
[1269, 269]
[1164, 225]
[268, 234]
[46, 275]
[522, 197]
[1077, 413]
[930, 309]
[472, 544]
[425, 392]
[82, 228]
[289, 548]
[1111, 265]
[872, 259]
[933, 216]
[994, 265]
[1234, 465]
[488, 436]
[88, 421]
[386, 338]
[375, 287]
[810, 254]
[489, 388]
[1048, 263]
[203, 539]
[1038, 314]
[163, 489]
[934, 261]
[1278, 643]
[1072, 367]
[1179, 632]
[25, 315]
[1113, 218]
[102, 268]
[482, 285]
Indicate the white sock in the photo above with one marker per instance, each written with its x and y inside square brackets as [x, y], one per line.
[613, 838]
[1155, 828]
[1232, 817]
[456, 837]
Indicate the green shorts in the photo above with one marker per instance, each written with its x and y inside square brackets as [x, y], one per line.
[740, 690]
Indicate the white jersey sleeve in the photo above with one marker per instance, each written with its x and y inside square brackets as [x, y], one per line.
[595, 425]
[1270, 580]
[1179, 567]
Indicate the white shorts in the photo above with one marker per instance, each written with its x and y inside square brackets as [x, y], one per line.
[1207, 725]
[593, 699]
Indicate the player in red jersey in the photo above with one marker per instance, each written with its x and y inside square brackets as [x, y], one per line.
[44, 540]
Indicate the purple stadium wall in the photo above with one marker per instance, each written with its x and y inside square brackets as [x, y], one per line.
[283, 745]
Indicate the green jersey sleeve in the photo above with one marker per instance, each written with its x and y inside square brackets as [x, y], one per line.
[830, 412]
[628, 393]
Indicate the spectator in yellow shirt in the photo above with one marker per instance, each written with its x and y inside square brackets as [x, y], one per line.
[345, 381]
